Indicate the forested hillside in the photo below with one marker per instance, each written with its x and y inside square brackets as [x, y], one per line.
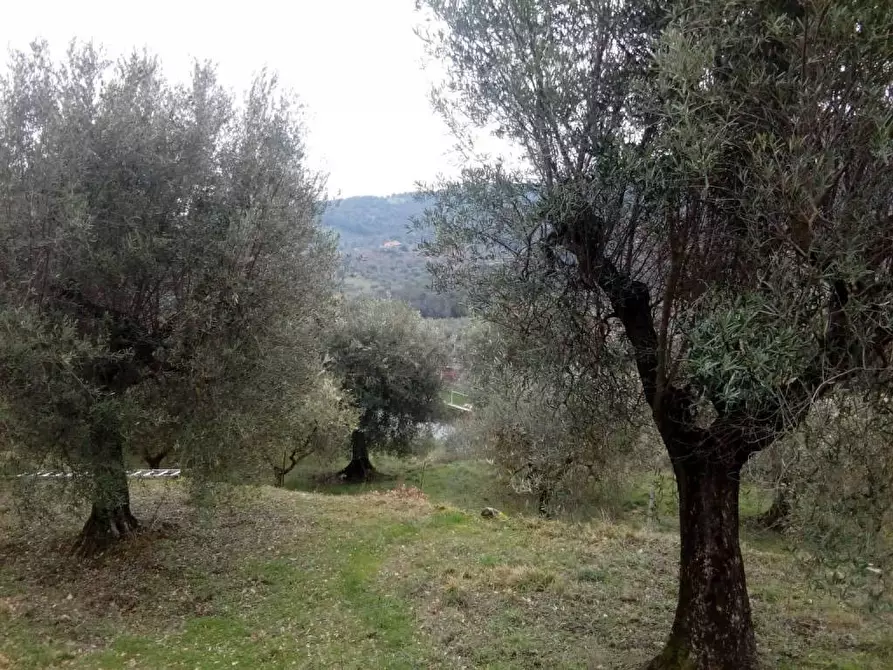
[379, 251]
[369, 221]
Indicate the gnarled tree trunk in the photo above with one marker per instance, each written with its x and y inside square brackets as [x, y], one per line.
[713, 629]
[110, 517]
[154, 460]
[360, 467]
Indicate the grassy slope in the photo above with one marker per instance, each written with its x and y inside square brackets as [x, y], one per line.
[280, 579]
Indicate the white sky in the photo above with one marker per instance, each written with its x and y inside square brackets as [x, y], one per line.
[356, 64]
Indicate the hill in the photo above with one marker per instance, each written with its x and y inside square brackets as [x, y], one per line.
[380, 256]
[368, 222]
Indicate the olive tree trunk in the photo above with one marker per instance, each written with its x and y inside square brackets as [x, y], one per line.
[154, 460]
[360, 467]
[713, 629]
[110, 516]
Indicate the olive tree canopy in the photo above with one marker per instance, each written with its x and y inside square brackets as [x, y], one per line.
[390, 360]
[159, 241]
[708, 188]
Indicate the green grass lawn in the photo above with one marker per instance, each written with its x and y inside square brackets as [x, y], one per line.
[389, 578]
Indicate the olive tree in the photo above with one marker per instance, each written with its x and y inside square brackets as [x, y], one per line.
[544, 420]
[320, 422]
[710, 185]
[159, 241]
[390, 360]
[833, 482]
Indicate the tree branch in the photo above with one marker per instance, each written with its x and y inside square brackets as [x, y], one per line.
[672, 407]
[294, 457]
[756, 429]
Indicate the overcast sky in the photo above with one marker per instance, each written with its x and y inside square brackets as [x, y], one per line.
[356, 64]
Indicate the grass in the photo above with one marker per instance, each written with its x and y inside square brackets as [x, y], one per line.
[466, 484]
[753, 500]
[388, 578]
[475, 483]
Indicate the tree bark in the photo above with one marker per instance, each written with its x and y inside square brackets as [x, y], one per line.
[154, 460]
[713, 629]
[110, 516]
[360, 467]
[778, 514]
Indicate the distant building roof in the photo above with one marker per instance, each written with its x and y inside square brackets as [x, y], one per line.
[390, 244]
